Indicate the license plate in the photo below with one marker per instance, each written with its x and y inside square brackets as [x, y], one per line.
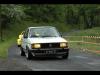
[49, 52]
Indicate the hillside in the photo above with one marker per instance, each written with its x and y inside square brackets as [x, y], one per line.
[87, 32]
[90, 44]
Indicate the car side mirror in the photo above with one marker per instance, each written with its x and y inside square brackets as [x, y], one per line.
[61, 34]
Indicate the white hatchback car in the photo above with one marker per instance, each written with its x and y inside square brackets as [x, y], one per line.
[43, 41]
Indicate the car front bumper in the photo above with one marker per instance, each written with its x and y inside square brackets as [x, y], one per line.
[50, 52]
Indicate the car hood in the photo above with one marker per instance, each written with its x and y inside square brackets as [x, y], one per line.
[47, 40]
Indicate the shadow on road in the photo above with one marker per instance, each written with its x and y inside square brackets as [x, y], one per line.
[46, 58]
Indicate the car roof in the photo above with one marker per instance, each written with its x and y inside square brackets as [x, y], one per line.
[41, 27]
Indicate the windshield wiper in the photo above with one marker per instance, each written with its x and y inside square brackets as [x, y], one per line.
[48, 36]
[34, 36]
[42, 36]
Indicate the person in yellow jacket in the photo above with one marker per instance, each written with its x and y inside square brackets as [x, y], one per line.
[19, 40]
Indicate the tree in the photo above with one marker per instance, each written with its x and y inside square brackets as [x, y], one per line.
[45, 13]
[10, 13]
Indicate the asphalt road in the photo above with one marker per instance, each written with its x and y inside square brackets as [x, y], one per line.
[78, 61]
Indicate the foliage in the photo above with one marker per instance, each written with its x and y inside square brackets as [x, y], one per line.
[71, 14]
[74, 16]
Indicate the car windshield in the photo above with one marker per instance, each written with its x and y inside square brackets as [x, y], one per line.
[43, 32]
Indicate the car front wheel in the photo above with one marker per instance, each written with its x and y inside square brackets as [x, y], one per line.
[65, 56]
[28, 54]
[22, 53]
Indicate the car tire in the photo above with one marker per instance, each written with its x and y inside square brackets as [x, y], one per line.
[65, 56]
[28, 54]
[22, 53]
[18, 45]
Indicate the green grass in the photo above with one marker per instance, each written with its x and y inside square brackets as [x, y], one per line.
[73, 38]
[89, 32]
[90, 48]
[4, 47]
[9, 39]
[84, 46]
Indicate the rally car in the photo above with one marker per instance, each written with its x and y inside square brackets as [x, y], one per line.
[43, 41]
[19, 40]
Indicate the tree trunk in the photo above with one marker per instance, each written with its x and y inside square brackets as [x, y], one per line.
[1, 30]
[1, 33]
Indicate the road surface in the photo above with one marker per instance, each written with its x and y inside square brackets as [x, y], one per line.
[78, 61]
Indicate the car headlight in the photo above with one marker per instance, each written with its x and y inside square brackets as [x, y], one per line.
[36, 45]
[63, 45]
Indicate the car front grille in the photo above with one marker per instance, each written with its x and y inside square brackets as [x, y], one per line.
[50, 51]
[50, 45]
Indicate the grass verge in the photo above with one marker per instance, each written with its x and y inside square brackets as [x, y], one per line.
[77, 36]
[85, 47]
[4, 47]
